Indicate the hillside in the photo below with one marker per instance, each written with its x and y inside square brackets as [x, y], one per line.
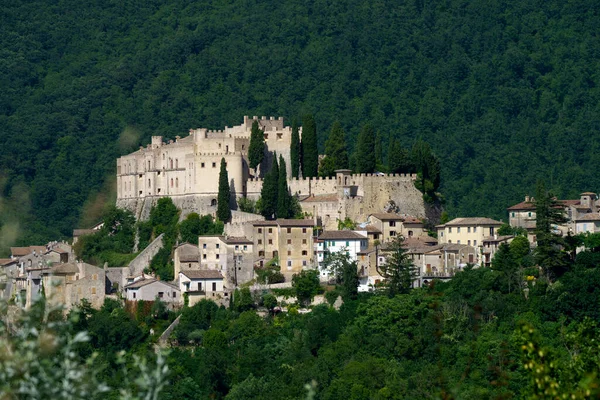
[505, 92]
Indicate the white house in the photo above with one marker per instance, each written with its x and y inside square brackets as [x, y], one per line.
[349, 242]
[151, 289]
[201, 284]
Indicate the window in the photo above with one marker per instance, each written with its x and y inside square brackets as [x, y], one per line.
[442, 233]
[474, 242]
[161, 295]
[270, 230]
[149, 183]
[289, 263]
[199, 285]
[289, 230]
[270, 241]
[217, 256]
[303, 230]
[410, 233]
[304, 263]
[201, 165]
[474, 229]
[392, 223]
[245, 247]
[204, 245]
[214, 285]
[458, 230]
[217, 245]
[458, 241]
[468, 229]
[176, 182]
[204, 256]
[93, 290]
[304, 252]
[237, 247]
[469, 242]
[259, 230]
[513, 214]
[289, 241]
[261, 254]
[214, 165]
[174, 294]
[171, 182]
[392, 233]
[529, 214]
[259, 241]
[289, 253]
[347, 243]
[95, 277]
[134, 295]
[303, 241]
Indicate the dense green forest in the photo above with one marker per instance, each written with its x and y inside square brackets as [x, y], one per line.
[505, 92]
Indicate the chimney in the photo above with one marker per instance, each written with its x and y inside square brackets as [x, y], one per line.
[527, 198]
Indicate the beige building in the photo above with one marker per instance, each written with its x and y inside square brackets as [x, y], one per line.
[198, 285]
[291, 240]
[393, 225]
[233, 257]
[189, 166]
[185, 257]
[469, 231]
[151, 289]
[68, 284]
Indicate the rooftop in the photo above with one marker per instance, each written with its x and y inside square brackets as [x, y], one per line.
[471, 221]
[203, 274]
[341, 235]
[589, 217]
[238, 240]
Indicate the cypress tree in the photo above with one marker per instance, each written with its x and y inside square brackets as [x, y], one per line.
[269, 191]
[365, 150]
[378, 151]
[427, 166]
[223, 210]
[336, 153]
[283, 192]
[295, 150]
[310, 151]
[399, 160]
[256, 150]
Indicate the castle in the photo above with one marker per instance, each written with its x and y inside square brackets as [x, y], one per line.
[187, 170]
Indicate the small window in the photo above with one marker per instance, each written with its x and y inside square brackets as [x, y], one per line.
[289, 263]
[304, 263]
[270, 230]
[270, 241]
[450, 229]
[201, 165]
[289, 253]
[304, 252]
[458, 230]
[161, 295]
[474, 242]
[245, 247]
[204, 256]
[468, 229]
[458, 241]
[513, 215]
[392, 223]
[214, 165]
[347, 243]
[259, 241]
[93, 290]
[204, 245]
[134, 295]
[392, 233]
[237, 247]
[289, 230]
[261, 254]
[475, 229]
[469, 242]
[217, 245]
[303, 230]
[289, 241]
[214, 286]
[303, 241]
[174, 294]
[217, 256]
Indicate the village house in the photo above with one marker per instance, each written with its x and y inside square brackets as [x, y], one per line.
[151, 289]
[67, 284]
[204, 284]
[330, 242]
[186, 257]
[393, 225]
[490, 247]
[289, 240]
[233, 257]
[469, 231]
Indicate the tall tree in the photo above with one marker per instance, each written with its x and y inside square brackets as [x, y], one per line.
[269, 191]
[336, 152]
[549, 213]
[427, 166]
[399, 160]
[283, 192]
[310, 151]
[223, 210]
[365, 150]
[398, 270]
[505, 263]
[378, 151]
[256, 150]
[295, 150]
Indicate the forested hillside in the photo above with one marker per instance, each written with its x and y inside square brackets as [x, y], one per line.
[505, 92]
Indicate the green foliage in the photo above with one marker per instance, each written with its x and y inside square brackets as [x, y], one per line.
[163, 215]
[310, 151]
[256, 150]
[270, 191]
[427, 166]
[398, 270]
[306, 285]
[194, 225]
[247, 205]
[270, 273]
[193, 319]
[505, 263]
[365, 150]
[224, 197]
[336, 152]
[399, 158]
[269, 301]
[346, 224]
[295, 150]
[549, 213]
[284, 198]
[242, 300]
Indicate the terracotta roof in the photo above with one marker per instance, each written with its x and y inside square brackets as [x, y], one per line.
[39, 249]
[472, 221]
[264, 223]
[371, 229]
[588, 194]
[389, 216]
[321, 198]
[296, 222]
[67, 268]
[20, 251]
[341, 235]
[529, 205]
[5, 261]
[426, 241]
[582, 207]
[203, 274]
[455, 246]
[238, 240]
[589, 217]
[409, 219]
[423, 249]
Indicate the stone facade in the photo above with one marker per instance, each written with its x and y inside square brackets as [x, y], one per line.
[68, 284]
[187, 169]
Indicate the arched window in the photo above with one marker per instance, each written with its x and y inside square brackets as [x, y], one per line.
[148, 165]
[176, 182]
[171, 182]
[149, 183]
[176, 163]
[213, 202]
[171, 160]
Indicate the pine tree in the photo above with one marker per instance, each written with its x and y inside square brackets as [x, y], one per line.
[310, 151]
[336, 153]
[365, 150]
[269, 192]
[549, 213]
[283, 192]
[295, 150]
[398, 270]
[223, 210]
[256, 150]
[427, 166]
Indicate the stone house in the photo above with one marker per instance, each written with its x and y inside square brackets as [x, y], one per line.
[392, 225]
[68, 284]
[204, 284]
[186, 257]
[291, 240]
[233, 257]
[469, 231]
[490, 247]
[151, 289]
